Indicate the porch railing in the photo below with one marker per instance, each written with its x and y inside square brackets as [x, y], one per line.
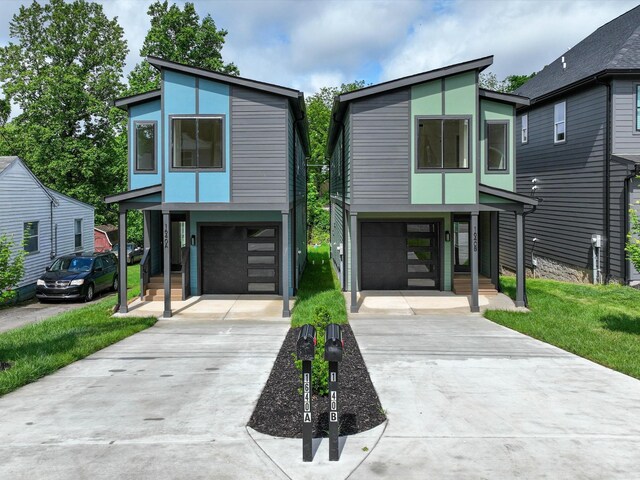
[185, 273]
[144, 272]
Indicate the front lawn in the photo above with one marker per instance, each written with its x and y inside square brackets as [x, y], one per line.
[601, 323]
[42, 348]
[319, 288]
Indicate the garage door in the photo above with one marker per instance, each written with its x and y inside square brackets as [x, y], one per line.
[399, 255]
[240, 259]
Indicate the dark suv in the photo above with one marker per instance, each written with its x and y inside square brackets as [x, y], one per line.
[78, 276]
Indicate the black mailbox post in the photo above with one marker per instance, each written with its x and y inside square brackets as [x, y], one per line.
[305, 350]
[333, 348]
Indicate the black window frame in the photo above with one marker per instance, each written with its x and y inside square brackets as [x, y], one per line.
[494, 171]
[222, 168]
[36, 236]
[442, 118]
[564, 122]
[136, 168]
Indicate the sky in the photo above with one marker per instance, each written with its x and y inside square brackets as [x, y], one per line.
[308, 44]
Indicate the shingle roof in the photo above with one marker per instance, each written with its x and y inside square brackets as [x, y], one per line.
[613, 46]
[5, 162]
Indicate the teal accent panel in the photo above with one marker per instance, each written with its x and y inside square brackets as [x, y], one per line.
[490, 110]
[213, 99]
[223, 217]
[149, 111]
[460, 188]
[460, 94]
[485, 198]
[179, 98]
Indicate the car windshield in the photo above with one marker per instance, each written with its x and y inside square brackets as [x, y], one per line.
[72, 264]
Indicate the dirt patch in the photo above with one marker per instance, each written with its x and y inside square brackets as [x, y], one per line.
[279, 408]
[4, 366]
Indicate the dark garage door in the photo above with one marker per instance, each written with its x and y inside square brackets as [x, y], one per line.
[239, 259]
[399, 255]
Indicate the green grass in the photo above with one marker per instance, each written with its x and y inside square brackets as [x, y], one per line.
[319, 287]
[42, 348]
[601, 323]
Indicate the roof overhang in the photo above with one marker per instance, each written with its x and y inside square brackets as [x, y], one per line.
[137, 194]
[507, 195]
[340, 102]
[125, 102]
[510, 98]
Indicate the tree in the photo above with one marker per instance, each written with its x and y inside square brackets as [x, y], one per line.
[11, 268]
[319, 107]
[179, 36]
[63, 70]
[509, 84]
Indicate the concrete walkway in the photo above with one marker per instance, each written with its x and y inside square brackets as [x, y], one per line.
[469, 399]
[170, 402]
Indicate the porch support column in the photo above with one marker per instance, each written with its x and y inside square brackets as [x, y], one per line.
[495, 255]
[285, 265]
[475, 303]
[520, 260]
[166, 244]
[122, 261]
[353, 223]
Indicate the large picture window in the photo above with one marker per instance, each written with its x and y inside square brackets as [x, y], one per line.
[497, 145]
[145, 148]
[559, 122]
[198, 142]
[443, 143]
[31, 243]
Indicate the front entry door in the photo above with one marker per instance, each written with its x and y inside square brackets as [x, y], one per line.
[461, 244]
[400, 255]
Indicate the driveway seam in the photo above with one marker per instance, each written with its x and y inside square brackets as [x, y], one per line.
[386, 423]
[265, 453]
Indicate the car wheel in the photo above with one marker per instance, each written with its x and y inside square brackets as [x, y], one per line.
[89, 295]
[114, 286]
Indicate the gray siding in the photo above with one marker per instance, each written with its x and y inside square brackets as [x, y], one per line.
[23, 199]
[570, 180]
[485, 243]
[337, 238]
[347, 153]
[379, 150]
[625, 138]
[258, 147]
[618, 212]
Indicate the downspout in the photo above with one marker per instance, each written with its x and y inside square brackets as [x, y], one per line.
[52, 253]
[294, 247]
[607, 183]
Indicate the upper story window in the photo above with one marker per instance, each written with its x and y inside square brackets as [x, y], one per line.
[197, 143]
[145, 146]
[497, 145]
[559, 122]
[77, 233]
[31, 237]
[443, 143]
[638, 107]
[525, 128]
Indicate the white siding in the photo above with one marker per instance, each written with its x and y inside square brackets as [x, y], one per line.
[22, 199]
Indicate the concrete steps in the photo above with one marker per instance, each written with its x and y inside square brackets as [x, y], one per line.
[155, 288]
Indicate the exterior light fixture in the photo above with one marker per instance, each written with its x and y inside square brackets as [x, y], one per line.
[193, 240]
[447, 236]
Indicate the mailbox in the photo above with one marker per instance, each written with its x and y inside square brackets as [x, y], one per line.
[333, 345]
[306, 345]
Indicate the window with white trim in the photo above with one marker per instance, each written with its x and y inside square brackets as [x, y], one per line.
[77, 233]
[525, 128]
[560, 122]
[637, 107]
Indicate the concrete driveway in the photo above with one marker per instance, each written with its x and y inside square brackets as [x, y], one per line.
[170, 402]
[469, 399]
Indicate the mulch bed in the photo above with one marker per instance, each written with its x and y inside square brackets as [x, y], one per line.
[279, 408]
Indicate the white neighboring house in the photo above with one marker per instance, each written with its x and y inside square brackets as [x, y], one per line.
[49, 223]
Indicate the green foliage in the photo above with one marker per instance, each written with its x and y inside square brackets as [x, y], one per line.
[489, 81]
[319, 107]
[11, 268]
[598, 322]
[320, 368]
[5, 111]
[632, 246]
[63, 69]
[180, 36]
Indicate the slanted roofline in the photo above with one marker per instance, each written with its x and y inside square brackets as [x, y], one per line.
[133, 194]
[125, 102]
[517, 100]
[340, 102]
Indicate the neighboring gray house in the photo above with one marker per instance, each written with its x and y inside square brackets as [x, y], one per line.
[48, 223]
[578, 149]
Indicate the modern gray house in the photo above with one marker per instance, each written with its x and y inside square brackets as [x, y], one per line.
[217, 165]
[43, 222]
[578, 150]
[421, 167]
